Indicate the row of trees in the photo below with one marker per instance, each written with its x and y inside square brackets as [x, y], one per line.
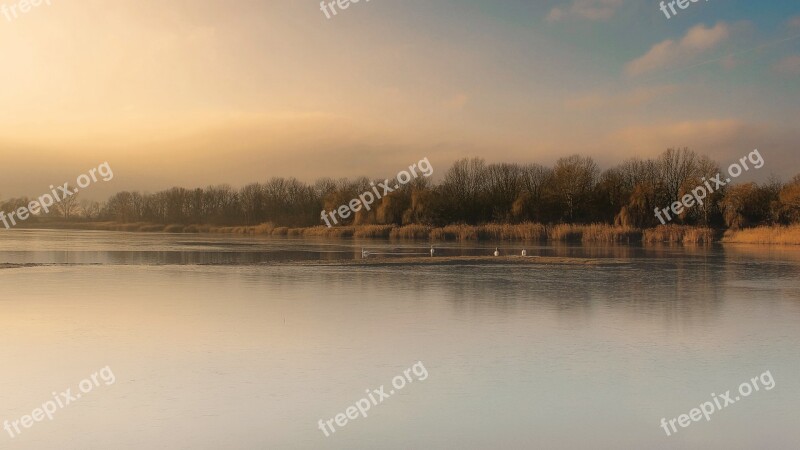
[68, 209]
[574, 190]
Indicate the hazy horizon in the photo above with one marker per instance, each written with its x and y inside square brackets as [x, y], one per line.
[201, 93]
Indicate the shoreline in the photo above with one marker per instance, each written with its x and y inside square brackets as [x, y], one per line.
[525, 232]
[389, 262]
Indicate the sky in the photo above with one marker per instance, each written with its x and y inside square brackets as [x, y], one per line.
[201, 92]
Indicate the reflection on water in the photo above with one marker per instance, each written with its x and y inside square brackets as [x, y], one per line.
[235, 355]
[101, 247]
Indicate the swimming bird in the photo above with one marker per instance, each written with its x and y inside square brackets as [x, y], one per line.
[496, 252]
[524, 253]
[364, 253]
[432, 251]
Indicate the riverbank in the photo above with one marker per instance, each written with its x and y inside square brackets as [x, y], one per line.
[764, 235]
[526, 232]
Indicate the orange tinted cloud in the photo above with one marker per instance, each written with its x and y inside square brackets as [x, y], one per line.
[670, 53]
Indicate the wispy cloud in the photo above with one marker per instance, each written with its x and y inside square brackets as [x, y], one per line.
[696, 41]
[585, 9]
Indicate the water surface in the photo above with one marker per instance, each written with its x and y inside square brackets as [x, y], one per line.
[215, 344]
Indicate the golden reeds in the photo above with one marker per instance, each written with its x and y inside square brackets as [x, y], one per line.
[679, 234]
[764, 235]
[528, 232]
[411, 232]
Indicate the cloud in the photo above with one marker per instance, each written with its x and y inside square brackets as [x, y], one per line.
[697, 40]
[627, 100]
[586, 9]
[788, 66]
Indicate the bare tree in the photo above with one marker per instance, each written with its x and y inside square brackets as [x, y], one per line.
[69, 205]
[504, 184]
[677, 168]
[574, 179]
[464, 187]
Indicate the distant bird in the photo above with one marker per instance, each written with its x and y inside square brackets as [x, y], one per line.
[432, 251]
[524, 253]
[364, 253]
[496, 252]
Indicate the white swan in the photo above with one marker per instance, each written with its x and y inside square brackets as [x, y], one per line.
[524, 253]
[496, 252]
[432, 250]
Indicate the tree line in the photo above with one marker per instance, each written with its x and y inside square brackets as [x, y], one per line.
[573, 190]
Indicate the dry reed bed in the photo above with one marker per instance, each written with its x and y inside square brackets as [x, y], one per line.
[679, 234]
[528, 232]
[764, 235]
